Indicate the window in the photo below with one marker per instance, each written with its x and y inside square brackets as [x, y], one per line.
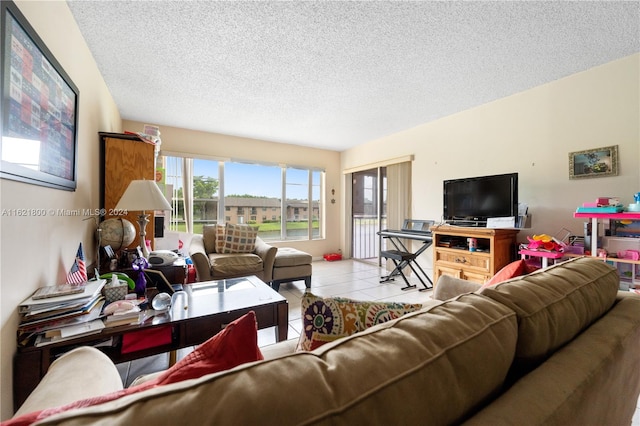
[237, 191]
[201, 185]
[250, 187]
[303, 194]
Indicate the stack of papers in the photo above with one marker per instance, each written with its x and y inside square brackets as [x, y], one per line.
[132, 316]
[48, 317]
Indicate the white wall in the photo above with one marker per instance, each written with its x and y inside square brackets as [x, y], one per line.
[531, 133]
[37, 251]
[224, 146]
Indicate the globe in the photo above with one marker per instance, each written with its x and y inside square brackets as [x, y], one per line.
[117, 233]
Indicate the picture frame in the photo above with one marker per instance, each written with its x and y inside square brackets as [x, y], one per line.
[39, 123]
[596, 162]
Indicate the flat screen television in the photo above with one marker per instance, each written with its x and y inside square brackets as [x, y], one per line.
[470, 201]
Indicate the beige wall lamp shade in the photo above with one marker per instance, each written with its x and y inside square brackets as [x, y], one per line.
[143, 195]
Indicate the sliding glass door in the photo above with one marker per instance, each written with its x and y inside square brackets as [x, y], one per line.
[369, 212]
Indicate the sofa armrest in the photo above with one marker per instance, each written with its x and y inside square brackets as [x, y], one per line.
[448, 287]
[199, 257]
[267, 253]
[82, 373]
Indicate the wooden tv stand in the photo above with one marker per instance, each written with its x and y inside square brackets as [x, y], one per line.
[451, 255]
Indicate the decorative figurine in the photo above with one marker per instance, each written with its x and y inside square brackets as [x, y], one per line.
[140, 264]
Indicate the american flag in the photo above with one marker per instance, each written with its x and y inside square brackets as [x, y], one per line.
[78, 272]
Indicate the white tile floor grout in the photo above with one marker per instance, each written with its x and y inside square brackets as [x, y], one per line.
[346, 278]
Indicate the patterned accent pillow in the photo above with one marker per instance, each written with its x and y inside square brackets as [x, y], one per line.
[327, 319]
[213, 236]
[219, 237]
[239, 238]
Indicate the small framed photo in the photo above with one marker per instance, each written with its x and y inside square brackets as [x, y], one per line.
[108, 252]
[594, 163]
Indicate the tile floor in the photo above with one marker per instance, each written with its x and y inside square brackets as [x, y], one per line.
[347, 278]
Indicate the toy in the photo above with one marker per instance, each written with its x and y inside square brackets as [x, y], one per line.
[140, 264]
[544, 242]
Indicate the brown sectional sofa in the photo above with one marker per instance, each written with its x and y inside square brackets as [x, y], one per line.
[560, 346]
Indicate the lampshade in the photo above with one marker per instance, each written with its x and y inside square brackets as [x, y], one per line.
[143, 195]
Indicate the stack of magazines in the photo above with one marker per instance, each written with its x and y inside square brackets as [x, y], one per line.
[57, 313]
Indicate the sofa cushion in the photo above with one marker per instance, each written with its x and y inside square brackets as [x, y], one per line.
[592, 381]
[555, 304]
[326, 319]
[229, 265]
[288, 257]
[392, 373]
[447, 287]
[239, 238]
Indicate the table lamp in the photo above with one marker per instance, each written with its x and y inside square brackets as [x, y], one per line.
[143, 195]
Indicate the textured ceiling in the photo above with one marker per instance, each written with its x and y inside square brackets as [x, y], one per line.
[336, 74]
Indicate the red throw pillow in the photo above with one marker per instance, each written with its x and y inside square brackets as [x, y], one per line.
[512, 270]
[235, 345]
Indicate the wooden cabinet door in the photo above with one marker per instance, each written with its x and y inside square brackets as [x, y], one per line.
[444, 270]
[126, 158]
[475, 277]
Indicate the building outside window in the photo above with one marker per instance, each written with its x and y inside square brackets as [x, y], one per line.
[209, 188]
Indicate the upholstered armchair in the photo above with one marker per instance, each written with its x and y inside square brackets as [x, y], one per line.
[232, 251]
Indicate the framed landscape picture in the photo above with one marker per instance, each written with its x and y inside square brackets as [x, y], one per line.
[38, 129]
[594, 162]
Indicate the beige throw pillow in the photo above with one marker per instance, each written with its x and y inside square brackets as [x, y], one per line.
[209, 238]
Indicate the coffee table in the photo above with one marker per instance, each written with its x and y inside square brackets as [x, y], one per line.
[200, 312]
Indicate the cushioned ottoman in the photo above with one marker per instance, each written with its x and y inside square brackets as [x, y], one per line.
[291, 265]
